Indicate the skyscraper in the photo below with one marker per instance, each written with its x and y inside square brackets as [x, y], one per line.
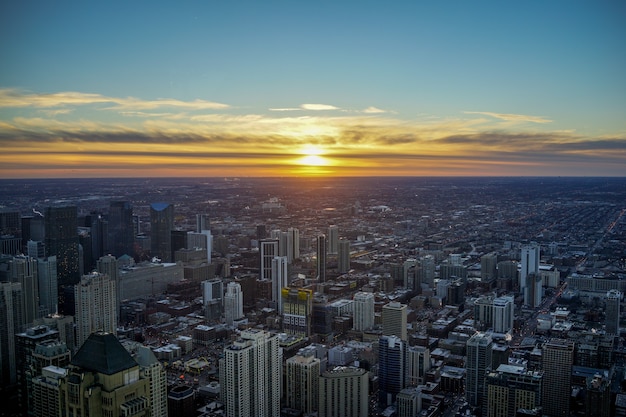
[333, 240]
[297, 308]
[11, 323]
[510, 388]
[251, 374]
[343, 257]
[23, 269]
[344, 392]
[613, 298]
[557, 359]
[108, 265]
[212, 298]
[120, 230]
[394, 320]
[202, 223]
[488, 267]
[529, 273]
[151, 369]
[302, 382]
[233, 303]
[268, 249]
[61, 240]
[363, 311]
[10, 232]
[48, 284]
[279, 277]
[162, 224]
[426, 271]
[417, 364]
[96, 306]
[321, 258]
[479, 355]
[391, 368]
[293, 244]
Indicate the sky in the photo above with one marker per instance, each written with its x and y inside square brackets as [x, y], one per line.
[217, 88]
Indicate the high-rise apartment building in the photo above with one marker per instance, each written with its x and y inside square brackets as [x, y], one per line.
[333, 240]
[153, 371]
[233, 303]
[47, 392]
[557, 359]
[95, 306]
[268, 249]
[120, 230]
[297, 308]
[279, 277]
[321, 258]
[344, 392]
[161, 224]
[496, 314]
[391, 368]
[61, 240]
[613, 299]
[479, 358]
[202, 223]
[213, 299]
[510, 388]
[11, 323]
[293, 244]
[343, 257]
[104, 380]
[417, 364]
[426, 271]
[48, 284]
[394, 320]
[302, 382]
[251, 374]
[530, 281]
[488, 267]
[23, 269]
[363, 311]
[10, 232]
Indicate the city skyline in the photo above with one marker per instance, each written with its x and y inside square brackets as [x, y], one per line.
[323, 89]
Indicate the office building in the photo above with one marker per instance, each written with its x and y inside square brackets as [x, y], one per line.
[333, 240]
[233, 303]
[23, 269]
[321, 258]
[212, 299]
[417, 365]
[10, 232]
[35, 249]
[394, 320]
[557, 359]
[202, 240]
[302, 382]
[162, 224]
[488, 267]
[268, 250]
[530, 281]
[479, 359]
[95, 305]
[293, 244]
[613, 299]
[391, 368]
[11, 323]
[363, 317]
[48, 285]
[153, 371]
[496, 314]
[181, 401]
[343, 257]
[510, 388]
[120, 229]
[202, 223]
[251, 375]
[279, 277]
[61, 240]
[47, 400]
[297, 308]
[344, 392]
[104, 380]
[426, 271]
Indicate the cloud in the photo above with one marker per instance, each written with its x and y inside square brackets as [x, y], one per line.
[285, 109]
[318, 107]
[512, 117]
[374, 110]
[17, 98]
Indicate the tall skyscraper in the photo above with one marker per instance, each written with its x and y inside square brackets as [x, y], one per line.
[11, 323]
[99, 231]
[120, 231]
[488, 267]
[303, 382]
[251, 375]
[333, 240]
[61, 240]
[297, 308]
[613, 299]
[95, 305]
[496, 314]
[363, 311]
[479, 358]
[394, 320]
[344, 392]
[268, 249]
[510, 388]
[233, 303]
[152, 370]
[23, 269]
[48, 284]
[343, 257]
[202, 223]
[213, 298]
[47, 391]
[162, 224]
[10, 232]
[293, 244]
[391, 368]
[102, 361]
[321, 258]
[108, 265]
[529, 264]
[279, 277]
[557, 359]
[426, 271]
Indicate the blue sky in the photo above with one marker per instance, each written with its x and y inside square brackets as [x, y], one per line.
[522, 70]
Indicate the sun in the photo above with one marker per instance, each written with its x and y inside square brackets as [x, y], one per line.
[313, 156]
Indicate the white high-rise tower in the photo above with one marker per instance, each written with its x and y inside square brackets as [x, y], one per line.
[363, 311]
[233, 303]
[96, 306]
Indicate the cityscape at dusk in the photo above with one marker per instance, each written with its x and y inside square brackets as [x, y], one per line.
[278, 88]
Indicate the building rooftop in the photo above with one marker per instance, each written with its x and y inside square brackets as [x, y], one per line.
[103, 353]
